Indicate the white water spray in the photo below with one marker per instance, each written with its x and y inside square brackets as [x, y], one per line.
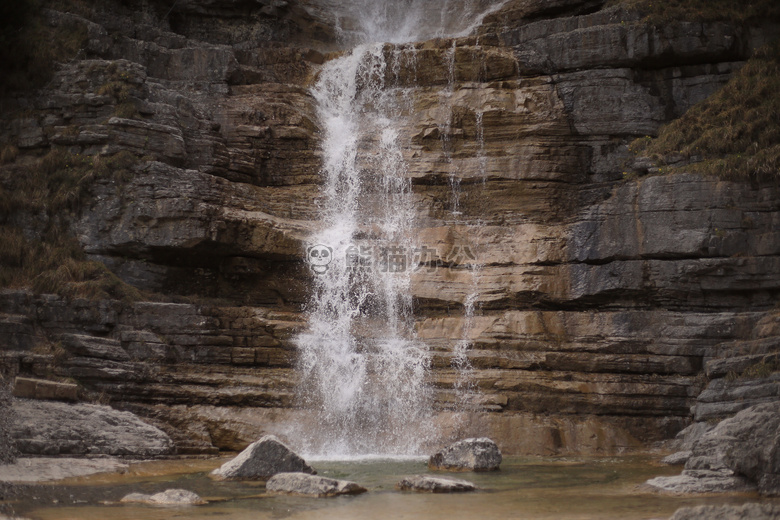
[363, 370]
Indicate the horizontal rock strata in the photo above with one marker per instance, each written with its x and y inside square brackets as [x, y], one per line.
[597, 297]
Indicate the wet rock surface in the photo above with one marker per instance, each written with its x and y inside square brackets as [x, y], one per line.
[169, 497]
[480, 454]
[431, 484]
[304, 484]
[261, 460]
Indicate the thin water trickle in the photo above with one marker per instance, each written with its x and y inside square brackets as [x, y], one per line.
[364, 372]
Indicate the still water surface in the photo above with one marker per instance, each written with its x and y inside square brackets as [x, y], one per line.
[525, 488]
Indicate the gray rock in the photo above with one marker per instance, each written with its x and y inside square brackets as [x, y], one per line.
[677, 458]
[480, 454]
[700, 481]
[737, 364]
[92, 346]
[750, 511]
[435, 484]
[311, 485]
[741, 453]
[686, 438]
[724, 397]
[261, 460]
[752, 445]
[169, 497]
[55, 428]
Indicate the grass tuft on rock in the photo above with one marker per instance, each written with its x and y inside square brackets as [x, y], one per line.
[41, 255]
[56, 264]
[735, 133]
[665, 11]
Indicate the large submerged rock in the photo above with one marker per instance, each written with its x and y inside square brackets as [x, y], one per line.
[751, 511]
[311, 485]
[56, 428]
[741, 453]
[480, 454]
[169, 497]
[261, 460]
[435, 484]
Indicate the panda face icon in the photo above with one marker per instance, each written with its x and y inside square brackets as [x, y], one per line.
[319, 256]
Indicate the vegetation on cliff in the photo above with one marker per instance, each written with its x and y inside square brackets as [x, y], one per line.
[733, 133]
[664, 11]
[42, 196]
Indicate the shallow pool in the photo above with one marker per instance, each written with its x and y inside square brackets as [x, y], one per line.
[525, 488]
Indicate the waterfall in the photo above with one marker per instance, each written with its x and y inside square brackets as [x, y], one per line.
[364, 372]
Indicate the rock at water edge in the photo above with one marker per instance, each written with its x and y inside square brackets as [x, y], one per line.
[311, 485]
[677, 459]
[480, 454]
[57, 428]
[261, 460]
[741, 453]
[169, 497]
[435, 484]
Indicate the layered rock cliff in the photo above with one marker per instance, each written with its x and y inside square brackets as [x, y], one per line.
[593, 293]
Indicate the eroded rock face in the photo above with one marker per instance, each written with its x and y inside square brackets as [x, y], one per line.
[739, 454]
[305, 484]
[467, 455]
[435, 484]
[54, 428]
[261, 460]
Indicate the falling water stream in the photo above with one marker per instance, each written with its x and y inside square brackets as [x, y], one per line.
[364, 373]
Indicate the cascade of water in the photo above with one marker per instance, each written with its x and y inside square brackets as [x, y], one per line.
[363, 370]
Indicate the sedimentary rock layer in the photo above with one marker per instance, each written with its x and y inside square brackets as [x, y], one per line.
[594, 298]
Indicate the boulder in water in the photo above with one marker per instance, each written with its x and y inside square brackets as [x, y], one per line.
[169, 497]
[435, 484]
[311, 485]
[480, 454]
[261, 460]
